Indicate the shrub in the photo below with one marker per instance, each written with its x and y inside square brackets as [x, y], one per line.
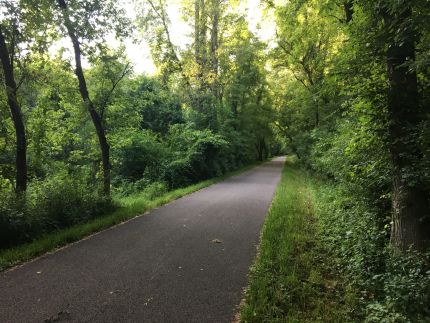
[57, 202]
[405, 295]
[14, 226]
[196, 156]
[394, 287]
[141, 154]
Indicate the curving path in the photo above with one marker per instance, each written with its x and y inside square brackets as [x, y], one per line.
[186, 261]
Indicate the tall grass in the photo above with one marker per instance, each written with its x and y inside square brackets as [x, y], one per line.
[292, 279]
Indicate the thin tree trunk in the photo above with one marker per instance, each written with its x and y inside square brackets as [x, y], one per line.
[215, 8]
[200, 50]
[18, 122]
[411, 213]
[203, 39]
[83, 89]
[349, 10]
[317, 115]
[214, 45]
[197, 52]
[197, 30]
[163, 17]
[260, 149]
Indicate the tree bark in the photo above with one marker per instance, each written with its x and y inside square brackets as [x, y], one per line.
[161, 13]
[215, 8]
[197, 31]
[199, 35]
[203, 38]
[214, 45]
[18, 122]
[411, 213]
[317, 115]
[83, 90]
[349, 10]
[260, 145]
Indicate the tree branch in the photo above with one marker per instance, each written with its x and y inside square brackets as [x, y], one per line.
[115, 83]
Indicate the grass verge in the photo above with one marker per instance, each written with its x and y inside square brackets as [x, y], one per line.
[293, 279]
[130, 207]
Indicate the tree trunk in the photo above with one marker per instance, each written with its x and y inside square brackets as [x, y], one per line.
[203, 39]
[214, 46]
[18, 122]
[200, 38]
[260, 145]
[317, 115]
[294, 147]
[411, 213]
[197, 31]
[83, 89]
[215, 9]
[349, 10]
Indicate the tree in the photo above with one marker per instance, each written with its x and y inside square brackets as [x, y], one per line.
[411, 209]
[77, 18]
[306, 36]
[21, 29]
[215, 15]
[15, 109]
[155, 23]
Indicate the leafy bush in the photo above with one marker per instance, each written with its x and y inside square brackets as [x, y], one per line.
[141, 153]
[63, 200]
[197, 155]
[49, 205]
[406, 289]
[394, 287]
[13, 222]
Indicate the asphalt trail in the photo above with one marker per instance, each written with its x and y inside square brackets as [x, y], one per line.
[186, 261]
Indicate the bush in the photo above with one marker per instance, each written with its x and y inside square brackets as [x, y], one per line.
[14, 226]
[49, 205]
[142, 153]
[179, 173]
[405, 295]
[196, 156]
[394, 287]
[155, 190]
[63, 200]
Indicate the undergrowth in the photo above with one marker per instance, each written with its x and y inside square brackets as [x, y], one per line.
[325, 257]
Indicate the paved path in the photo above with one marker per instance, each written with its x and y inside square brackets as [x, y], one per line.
[160, 267]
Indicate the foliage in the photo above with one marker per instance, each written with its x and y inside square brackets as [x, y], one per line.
[165, 131]
[196, 156]
[323, 90]
[334, 107]
[50, 205]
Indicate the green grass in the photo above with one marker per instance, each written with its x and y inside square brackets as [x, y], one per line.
[292, 279]
[130, 207]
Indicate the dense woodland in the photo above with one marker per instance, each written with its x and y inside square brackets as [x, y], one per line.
[344, 86]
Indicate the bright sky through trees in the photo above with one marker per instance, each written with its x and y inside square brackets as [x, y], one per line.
[139, 53]
[138, 50]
